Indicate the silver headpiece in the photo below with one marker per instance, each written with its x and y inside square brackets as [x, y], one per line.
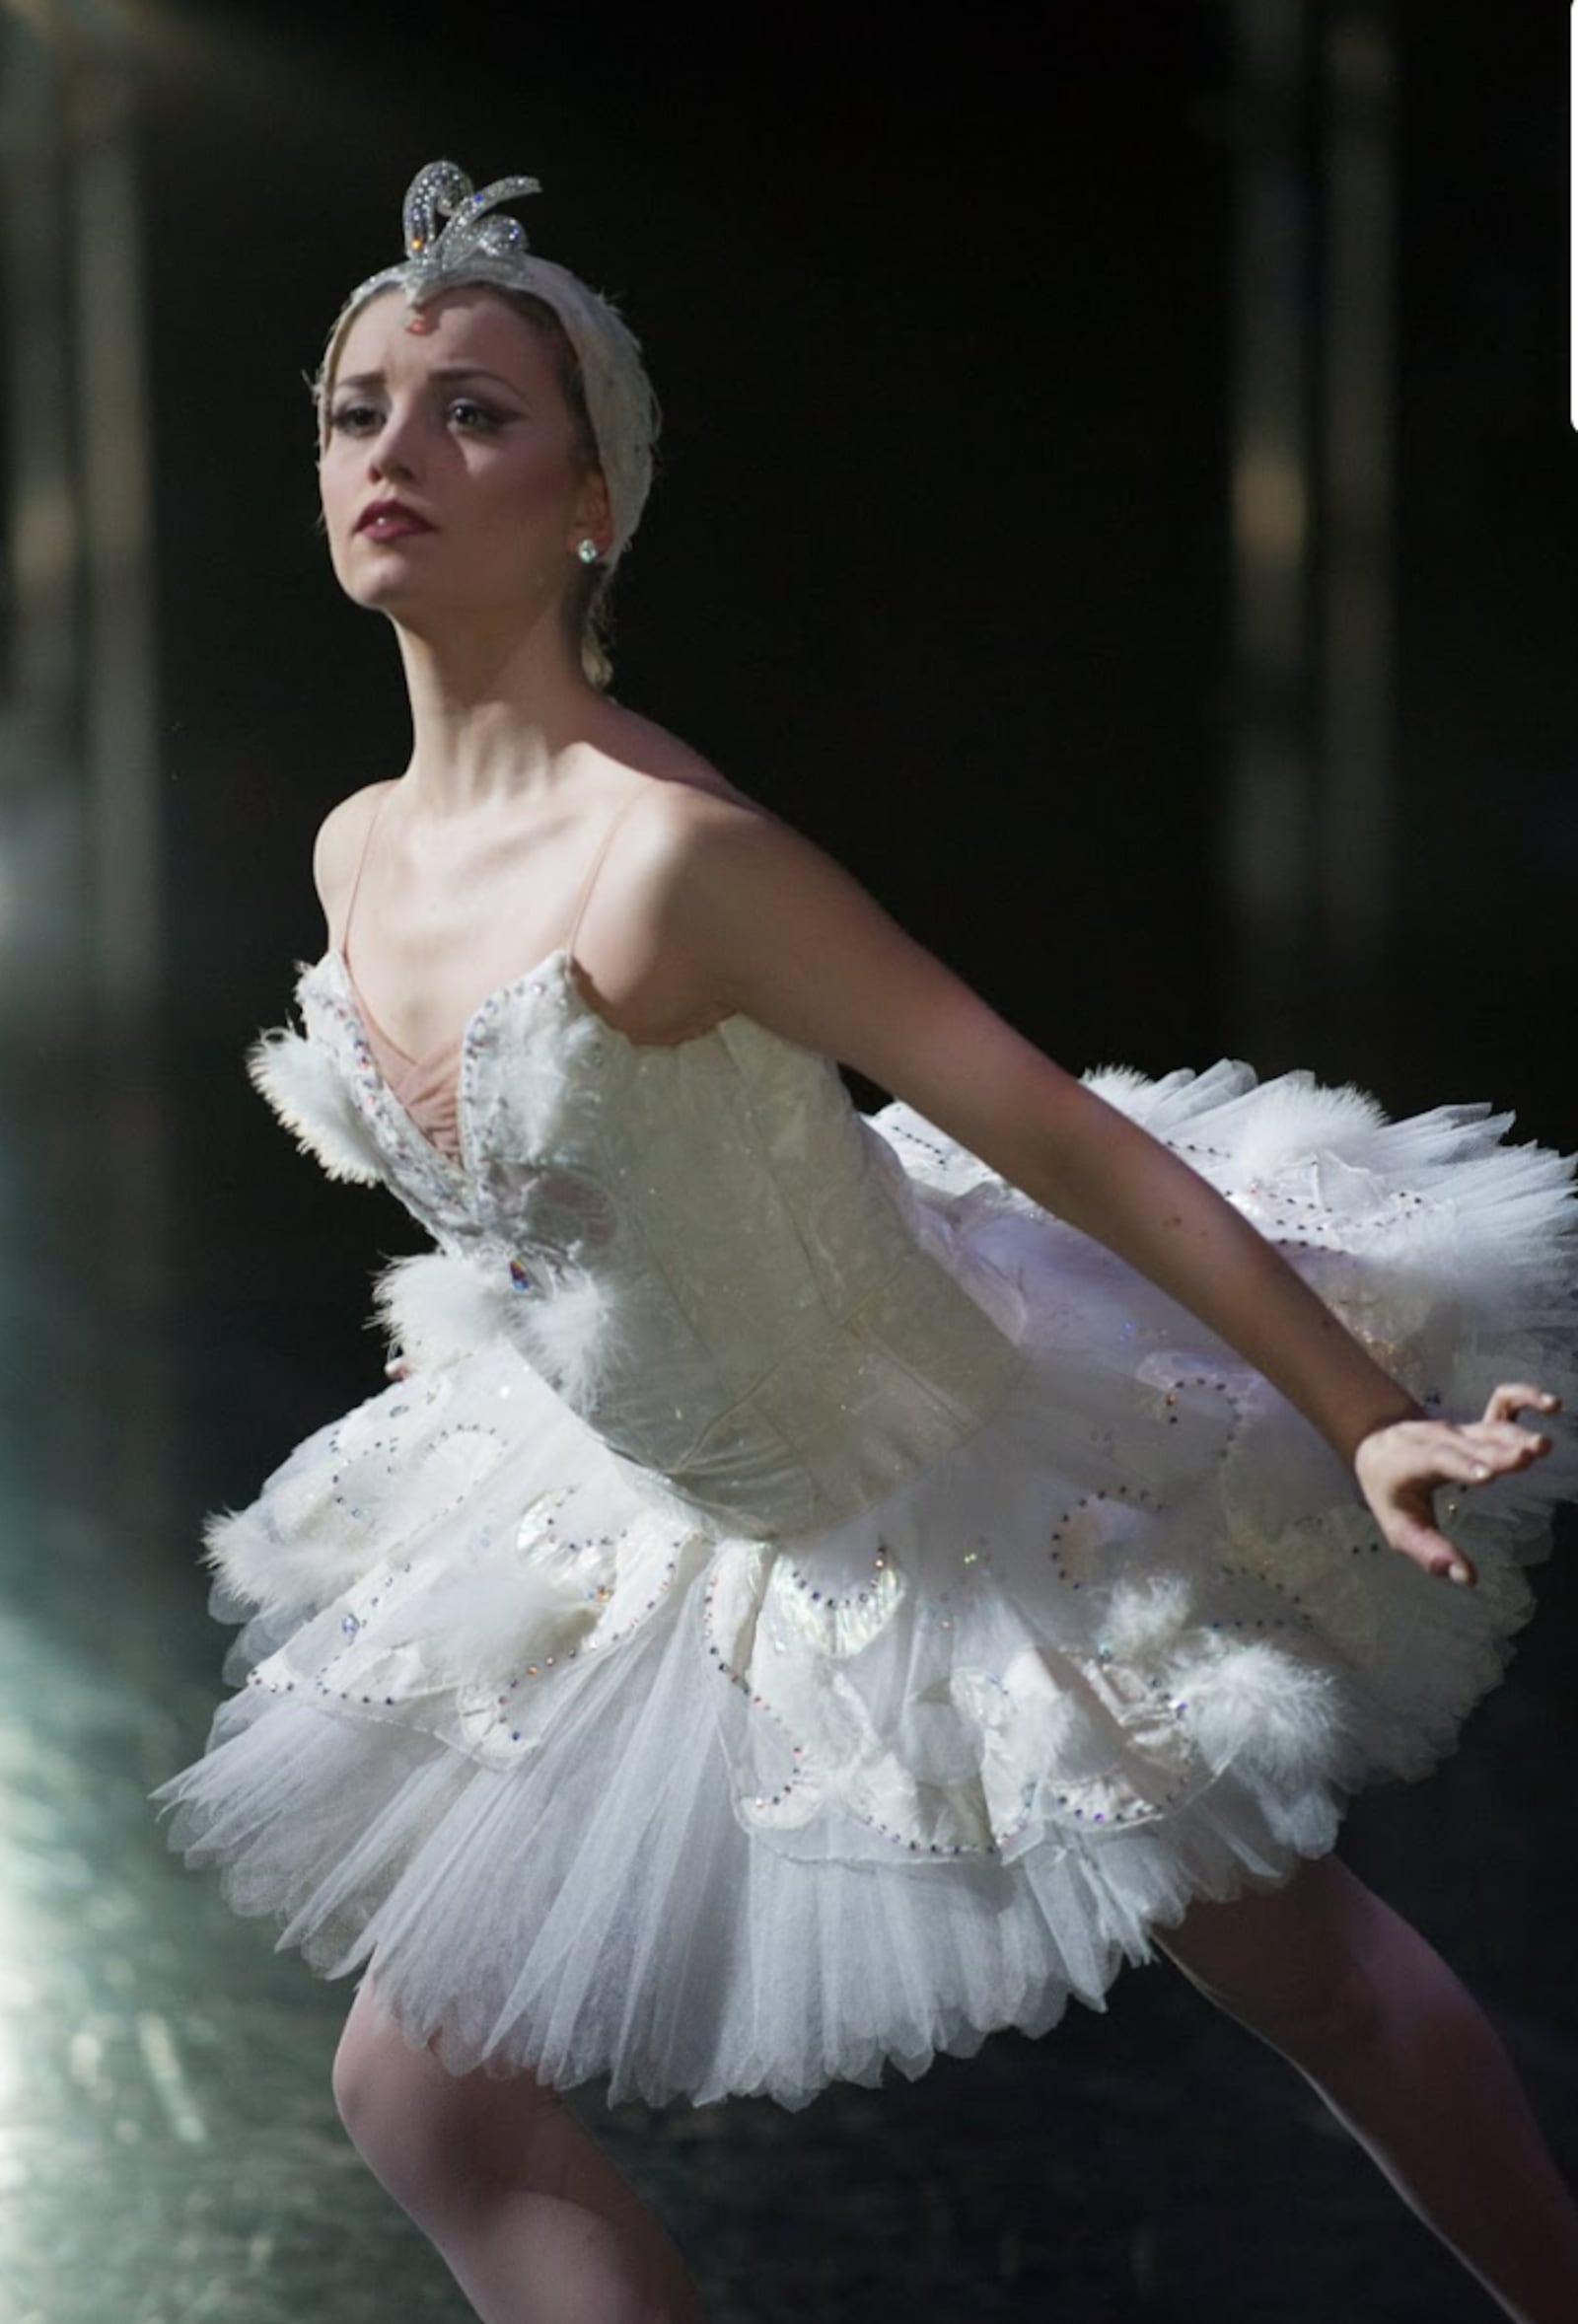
[478, 246]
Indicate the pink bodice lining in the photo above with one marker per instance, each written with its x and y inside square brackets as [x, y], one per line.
[428, 1088]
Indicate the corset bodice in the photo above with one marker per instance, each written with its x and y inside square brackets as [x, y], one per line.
[703, 1247]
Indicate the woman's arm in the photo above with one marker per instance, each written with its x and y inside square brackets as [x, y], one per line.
[783, 933]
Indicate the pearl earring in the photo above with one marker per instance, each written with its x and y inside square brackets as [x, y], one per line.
[587, 550]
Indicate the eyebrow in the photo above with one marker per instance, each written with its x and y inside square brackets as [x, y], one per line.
[449, 371]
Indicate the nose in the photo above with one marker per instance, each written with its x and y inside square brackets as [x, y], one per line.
[393, 450]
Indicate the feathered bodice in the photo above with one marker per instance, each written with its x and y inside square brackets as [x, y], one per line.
[703, 1248]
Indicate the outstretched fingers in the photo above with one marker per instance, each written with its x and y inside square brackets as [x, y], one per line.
[1399, 1467]
[1515, 1395]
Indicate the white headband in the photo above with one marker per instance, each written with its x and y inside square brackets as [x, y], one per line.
[476, 247]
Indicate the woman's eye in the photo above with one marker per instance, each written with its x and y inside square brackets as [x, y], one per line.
[464, 412]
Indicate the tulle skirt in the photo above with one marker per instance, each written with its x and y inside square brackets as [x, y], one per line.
[600, 1786]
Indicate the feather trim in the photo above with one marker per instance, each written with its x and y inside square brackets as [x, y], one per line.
[294, 1574]
[437, 1309]
[1295, 1118]
[569, 1332]
[1255, 1703]
[482, 1634]
[1143, 1620]
[306, 1090]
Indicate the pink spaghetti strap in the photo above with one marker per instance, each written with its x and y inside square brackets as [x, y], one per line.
[361, 866]
[596, 866]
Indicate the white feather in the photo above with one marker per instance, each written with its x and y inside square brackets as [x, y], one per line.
[1295, 1118]
[304, 1087]
[483, 1630]
[293, 1573]
[569, 1333]
[1255, 1705]
[1142, 1619]
[1120, 1085]
[438, 1309]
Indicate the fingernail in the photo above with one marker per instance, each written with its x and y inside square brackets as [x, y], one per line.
[1459, 1572]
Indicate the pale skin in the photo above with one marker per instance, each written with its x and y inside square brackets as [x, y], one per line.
[709, 906]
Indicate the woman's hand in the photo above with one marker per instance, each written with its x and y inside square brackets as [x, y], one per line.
[1397, 1468]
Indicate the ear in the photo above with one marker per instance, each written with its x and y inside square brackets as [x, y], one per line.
[594, 513]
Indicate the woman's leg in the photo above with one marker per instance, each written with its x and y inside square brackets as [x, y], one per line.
[1404, 2057]
[534, 2221]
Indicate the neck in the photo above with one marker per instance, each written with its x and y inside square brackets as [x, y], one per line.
[492, 717]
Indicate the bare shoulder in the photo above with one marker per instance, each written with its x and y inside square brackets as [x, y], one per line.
[338, 845]
[693, 819]
[627, 742]
[690, 805]
[641, 958]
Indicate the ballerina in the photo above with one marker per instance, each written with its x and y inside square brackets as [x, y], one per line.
[816, 1589]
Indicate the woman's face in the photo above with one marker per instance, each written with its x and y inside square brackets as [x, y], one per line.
[449, 477]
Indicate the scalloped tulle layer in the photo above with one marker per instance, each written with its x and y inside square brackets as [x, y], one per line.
[598, 1788]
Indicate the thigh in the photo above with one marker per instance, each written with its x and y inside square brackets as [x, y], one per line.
[403, 2106]
[1297, 1955]
[443, 2145]
[371, 2049]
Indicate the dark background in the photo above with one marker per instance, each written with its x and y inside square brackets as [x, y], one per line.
[938, 563]
[938, 560]
[935, 563]
[939, 566]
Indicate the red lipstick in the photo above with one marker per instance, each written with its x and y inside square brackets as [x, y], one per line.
[388, 519]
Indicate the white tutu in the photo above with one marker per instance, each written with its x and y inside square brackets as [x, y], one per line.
[1041, 1613]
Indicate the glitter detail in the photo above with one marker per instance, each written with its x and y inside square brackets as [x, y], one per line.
[442, 189]
[476, 244]
[689, 1288]
[835, 1623]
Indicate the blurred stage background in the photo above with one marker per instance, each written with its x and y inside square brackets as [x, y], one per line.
[1117, 495]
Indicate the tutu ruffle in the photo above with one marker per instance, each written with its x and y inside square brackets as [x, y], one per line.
[602, 1783]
